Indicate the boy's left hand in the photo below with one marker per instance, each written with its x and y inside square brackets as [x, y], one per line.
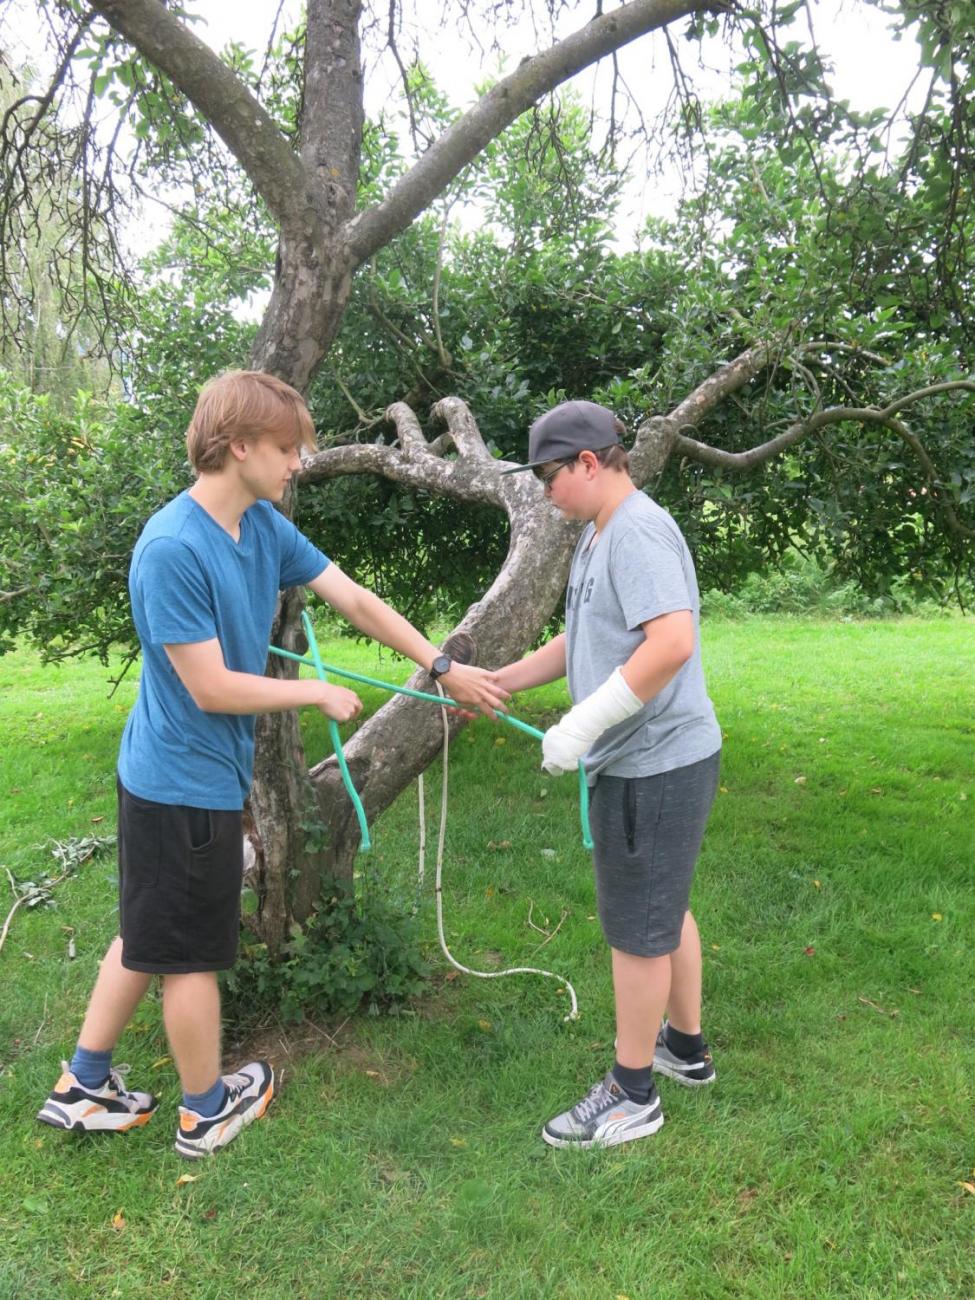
[475, 687]
[561, 749]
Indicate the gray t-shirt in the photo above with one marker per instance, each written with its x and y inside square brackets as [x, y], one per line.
[637, 569]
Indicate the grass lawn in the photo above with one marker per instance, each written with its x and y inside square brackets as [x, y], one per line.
[402, 1156]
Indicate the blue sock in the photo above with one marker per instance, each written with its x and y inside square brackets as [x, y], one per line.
[207, 1103]
[90, 1068]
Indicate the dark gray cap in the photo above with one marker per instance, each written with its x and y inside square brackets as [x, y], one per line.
[566, 430]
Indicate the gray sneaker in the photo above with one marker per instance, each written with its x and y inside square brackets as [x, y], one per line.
[604, 1118]
[694, 1072]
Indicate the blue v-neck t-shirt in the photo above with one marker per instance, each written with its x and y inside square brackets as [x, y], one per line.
[190, 581]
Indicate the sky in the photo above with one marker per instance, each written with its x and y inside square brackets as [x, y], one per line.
[870, 68]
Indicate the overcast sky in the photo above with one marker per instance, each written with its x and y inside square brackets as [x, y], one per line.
[870, 68]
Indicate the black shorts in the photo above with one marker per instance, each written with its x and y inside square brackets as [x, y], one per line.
[647, 833]
[180, 873]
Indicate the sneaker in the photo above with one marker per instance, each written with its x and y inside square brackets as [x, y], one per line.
[248, 1094]
[110, 1108]
[694, 1072]
[604, 1118]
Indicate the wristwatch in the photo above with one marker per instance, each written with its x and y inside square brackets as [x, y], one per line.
[442, 664]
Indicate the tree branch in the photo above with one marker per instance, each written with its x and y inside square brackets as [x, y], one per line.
[511, 97]
[705, 454]
[219, 94]
[466, 436]
[657, 436]
[332, 116]
[407, 426]
[462, 479]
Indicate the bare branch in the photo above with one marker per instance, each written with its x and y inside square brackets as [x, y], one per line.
[446, 360]
[219, 94]
[463, 428]
[511, 97]
[332, 115]
[966, 385]
[656, 437]
[828, 345]
[705, 454]
[407, 426]
[462, 479]
[729, 379]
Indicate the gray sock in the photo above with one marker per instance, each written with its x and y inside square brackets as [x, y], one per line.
[683, 1045]
[637, 1084]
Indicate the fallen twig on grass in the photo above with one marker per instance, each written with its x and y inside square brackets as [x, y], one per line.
[549, 934]
[43, 1021]
[882, 1010]
[71, 854]
[30, 894]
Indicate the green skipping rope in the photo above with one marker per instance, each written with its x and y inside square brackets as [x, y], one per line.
[323, 669]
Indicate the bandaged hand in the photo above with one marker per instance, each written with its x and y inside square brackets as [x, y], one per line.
[565, 743]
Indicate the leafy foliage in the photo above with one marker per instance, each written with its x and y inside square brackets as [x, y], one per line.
[75, 489]
[805, 231]
[349, 952]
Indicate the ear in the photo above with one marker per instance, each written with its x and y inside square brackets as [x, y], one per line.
[238, 448]
[589, 461]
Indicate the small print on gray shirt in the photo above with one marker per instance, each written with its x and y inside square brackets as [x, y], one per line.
[637, 569]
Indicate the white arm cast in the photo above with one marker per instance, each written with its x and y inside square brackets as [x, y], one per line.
[565, 743]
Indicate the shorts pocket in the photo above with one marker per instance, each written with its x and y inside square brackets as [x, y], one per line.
[629, 814]
[200, 828]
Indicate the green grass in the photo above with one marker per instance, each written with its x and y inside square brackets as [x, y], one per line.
[836, 902]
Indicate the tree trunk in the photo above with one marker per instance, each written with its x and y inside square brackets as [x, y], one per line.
[405, 736]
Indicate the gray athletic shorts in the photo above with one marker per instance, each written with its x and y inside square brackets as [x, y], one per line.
[647, 833]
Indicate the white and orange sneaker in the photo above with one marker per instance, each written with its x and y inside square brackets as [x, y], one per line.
[249, 1093]
[108, 1109]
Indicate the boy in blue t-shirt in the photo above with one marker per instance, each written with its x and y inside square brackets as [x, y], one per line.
[204, 582]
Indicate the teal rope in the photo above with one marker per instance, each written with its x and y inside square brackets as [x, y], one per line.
[333, 732]
[584, 808]
[512, 721]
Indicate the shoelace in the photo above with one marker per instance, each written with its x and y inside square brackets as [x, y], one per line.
[236, 1083]
[595, 1100]
[117, 1076]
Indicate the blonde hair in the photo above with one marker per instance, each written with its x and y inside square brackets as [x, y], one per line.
[244, 404]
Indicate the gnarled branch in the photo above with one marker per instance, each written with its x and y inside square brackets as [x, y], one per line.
[705, 454]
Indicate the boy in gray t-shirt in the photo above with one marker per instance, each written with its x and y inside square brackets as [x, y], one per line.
[645, 730]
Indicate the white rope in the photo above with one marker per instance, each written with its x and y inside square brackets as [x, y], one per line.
[421, 871]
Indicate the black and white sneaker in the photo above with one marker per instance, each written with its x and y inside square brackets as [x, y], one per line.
[249, 1093]
[695, 1072]
[605, 1117]
[108, 1109]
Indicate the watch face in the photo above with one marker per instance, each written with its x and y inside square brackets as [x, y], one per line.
[441, 665]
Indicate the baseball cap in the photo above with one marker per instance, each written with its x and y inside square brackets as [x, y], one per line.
[566, 430]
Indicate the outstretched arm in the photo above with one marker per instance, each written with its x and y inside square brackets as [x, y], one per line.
[547, 664]
[215, 688]
[475, 687]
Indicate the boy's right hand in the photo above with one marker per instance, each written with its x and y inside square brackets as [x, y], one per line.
[338, 703]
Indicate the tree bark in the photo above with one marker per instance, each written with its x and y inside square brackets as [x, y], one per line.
[312, 194]
[405, 736]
